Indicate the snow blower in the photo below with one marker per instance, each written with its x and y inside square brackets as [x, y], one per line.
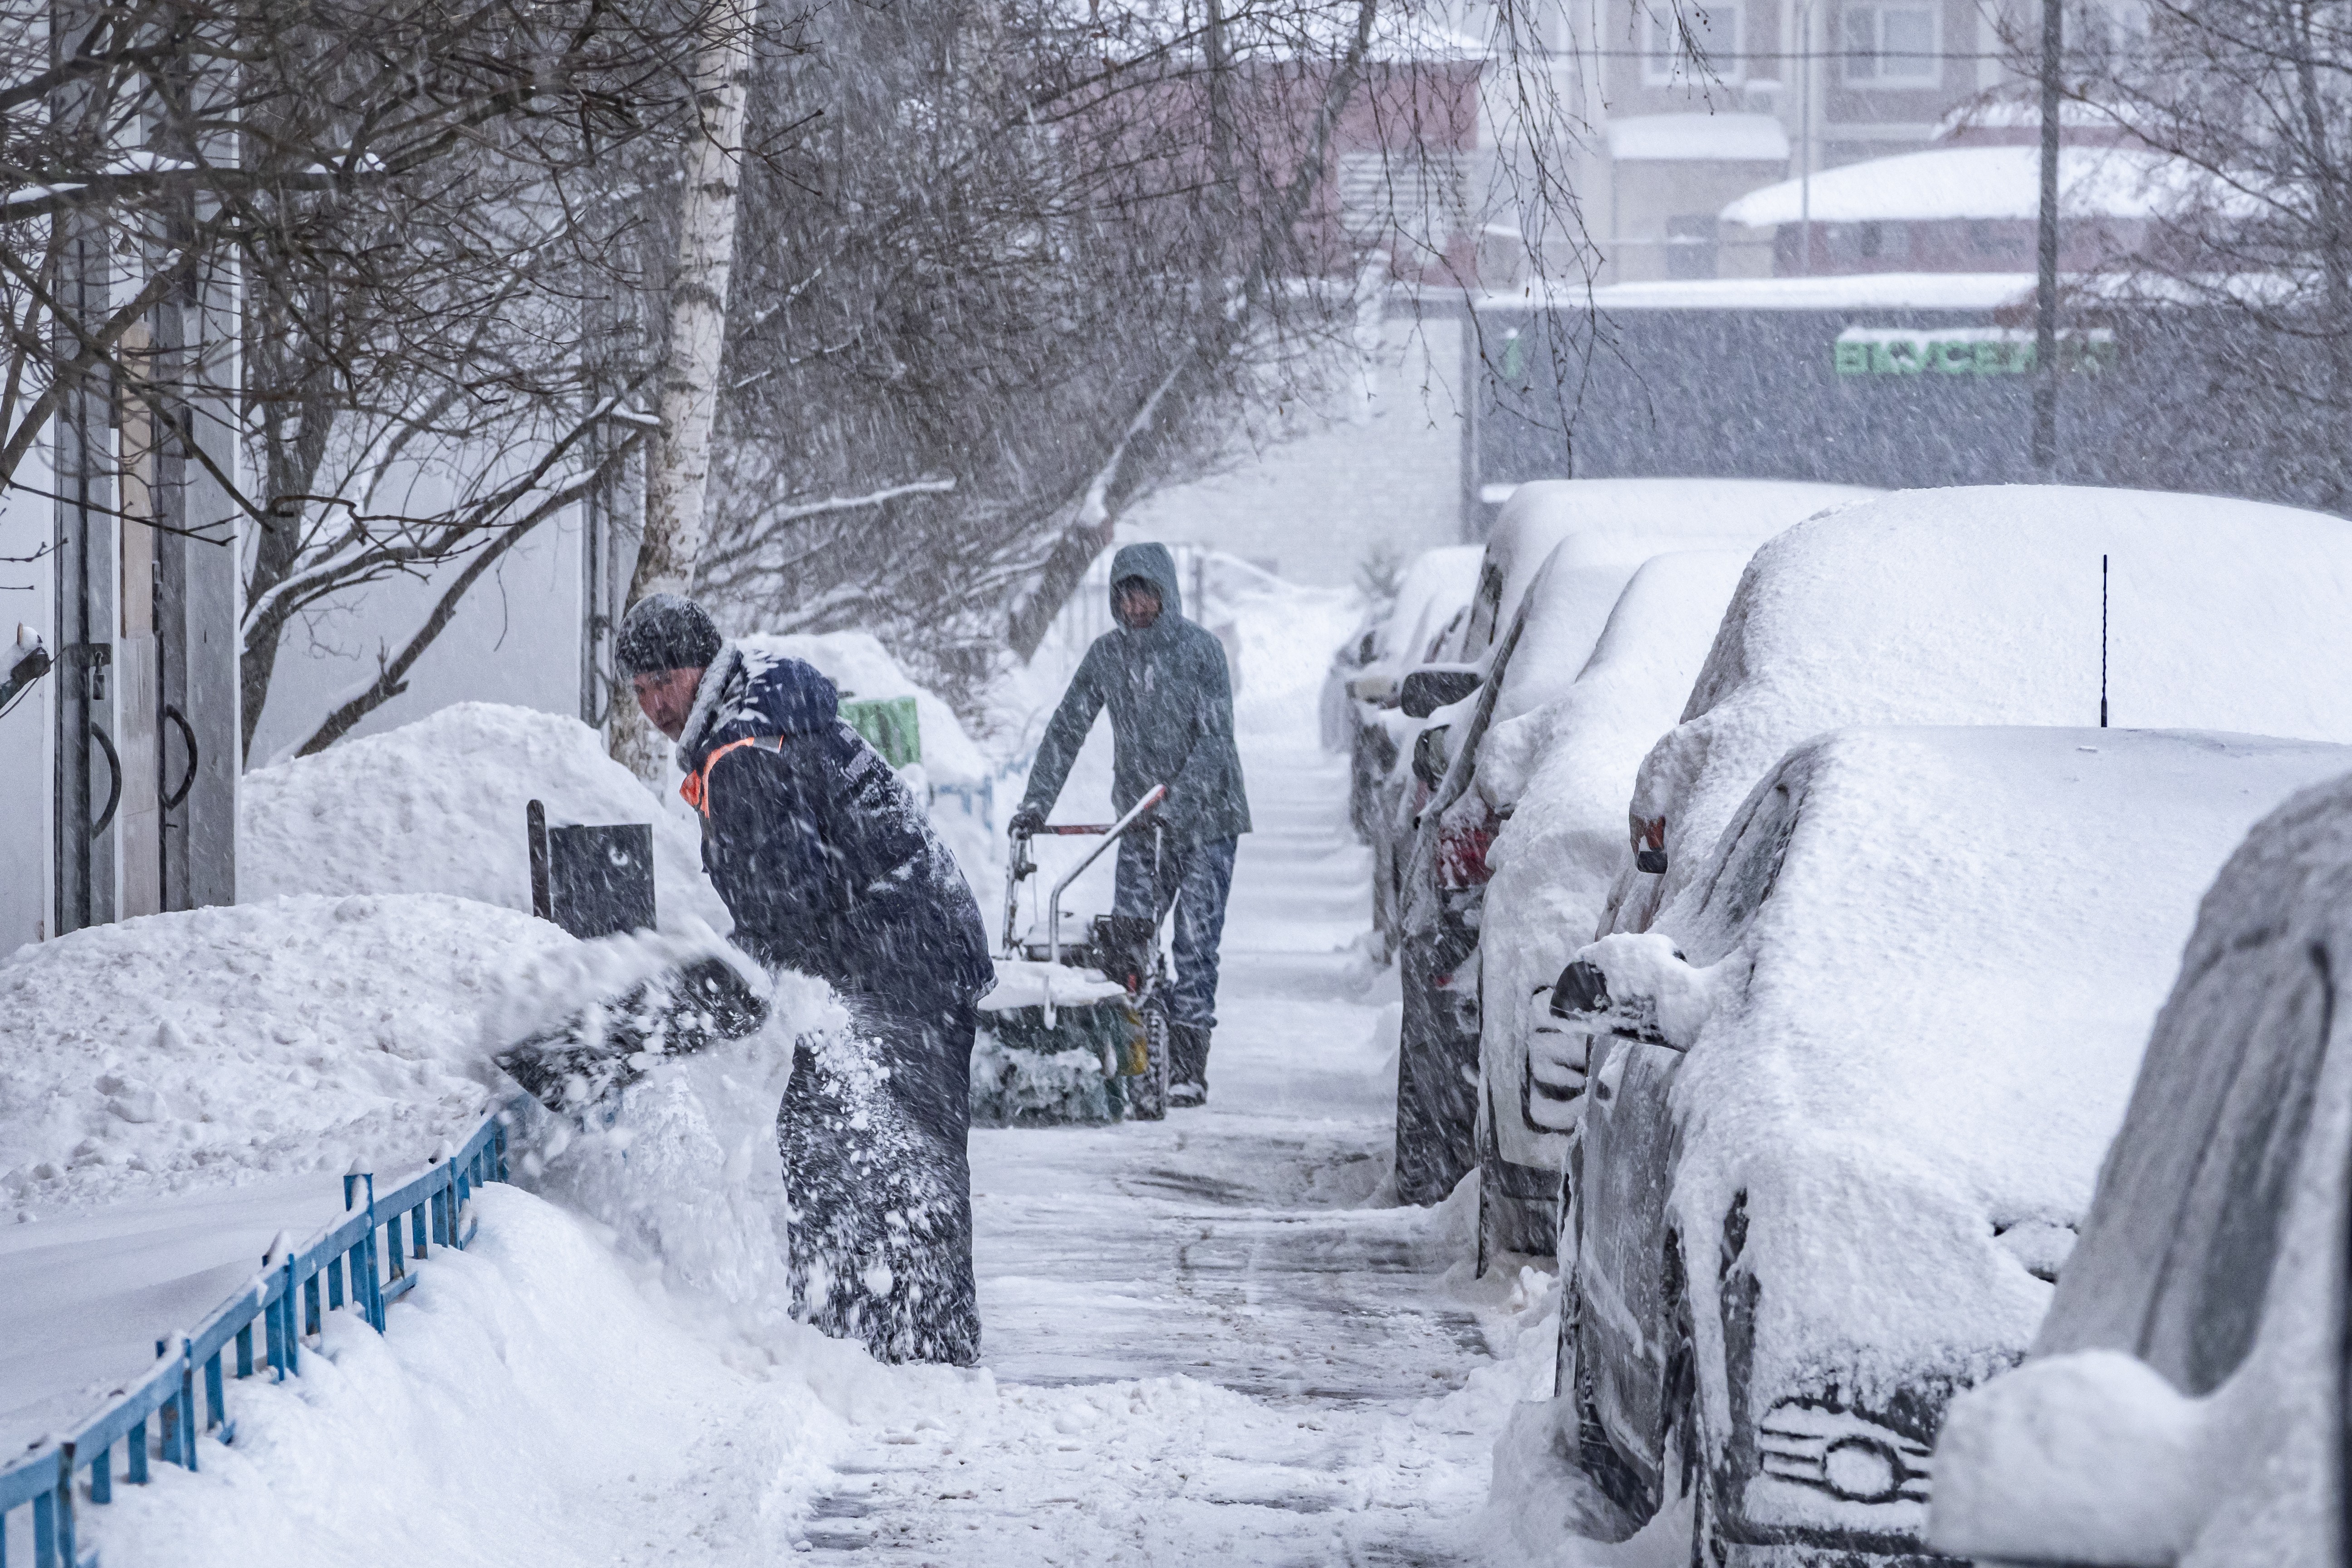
[1075, 1031]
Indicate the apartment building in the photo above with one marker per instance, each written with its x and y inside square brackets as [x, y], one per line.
[1695, 103]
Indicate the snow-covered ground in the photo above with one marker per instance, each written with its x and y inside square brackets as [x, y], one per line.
[1213, 1339]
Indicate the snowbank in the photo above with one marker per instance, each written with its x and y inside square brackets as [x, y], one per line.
[1982, 605]
[438, 806]
[217, 1047]
[862, 668]
[530, 1401]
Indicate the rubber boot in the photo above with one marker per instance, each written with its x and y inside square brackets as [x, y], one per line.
[1187, 1065]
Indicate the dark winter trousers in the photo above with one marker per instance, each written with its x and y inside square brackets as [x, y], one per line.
[879, 1189]
[1195, 878]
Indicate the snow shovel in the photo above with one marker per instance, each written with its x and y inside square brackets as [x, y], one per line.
[1119, 1023]
[588, 1059]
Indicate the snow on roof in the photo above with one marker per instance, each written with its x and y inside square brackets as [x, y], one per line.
[1934, 1018]
[1543, 512]
[1981, 604]
[1566, 770]
[438, 806]
[1433, 589]
[1728, 138]
[858, 664]
[1838, 291]
[1947, 182]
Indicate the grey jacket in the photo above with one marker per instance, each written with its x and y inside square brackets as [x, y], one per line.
[1172, 714]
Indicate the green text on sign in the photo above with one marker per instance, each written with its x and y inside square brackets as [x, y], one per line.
[1963, 350]
[890, 727]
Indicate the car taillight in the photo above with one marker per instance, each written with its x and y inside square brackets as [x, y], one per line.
[1649, 833]
[1462, 855]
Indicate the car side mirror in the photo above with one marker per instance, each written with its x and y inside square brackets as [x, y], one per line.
[1581, 989]
[1650, 862]
[1425, 691]
[1428, 757]
[1582, 999]
[2025, 1465]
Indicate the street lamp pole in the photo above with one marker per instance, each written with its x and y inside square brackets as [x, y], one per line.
[2045, 293]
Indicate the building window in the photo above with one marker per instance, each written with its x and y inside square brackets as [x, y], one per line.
[1684, 42]
[1891, 46]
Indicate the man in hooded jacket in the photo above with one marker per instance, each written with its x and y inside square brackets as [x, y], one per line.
[1171, 699]
[829, 866]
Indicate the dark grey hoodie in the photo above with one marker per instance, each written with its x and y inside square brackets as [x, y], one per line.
[1172, 714]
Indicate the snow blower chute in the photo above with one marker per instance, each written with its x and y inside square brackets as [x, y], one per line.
[1075, 1031]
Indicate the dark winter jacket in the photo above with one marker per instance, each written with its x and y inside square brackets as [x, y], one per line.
[1172, 714]
[824, 858]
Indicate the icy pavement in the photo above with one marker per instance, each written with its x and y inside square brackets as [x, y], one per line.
[1209, 1341]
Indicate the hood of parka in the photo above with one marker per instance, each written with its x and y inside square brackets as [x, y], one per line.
[1154, 564]
[744, 693]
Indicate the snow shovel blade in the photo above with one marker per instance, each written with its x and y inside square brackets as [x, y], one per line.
[608, 1044]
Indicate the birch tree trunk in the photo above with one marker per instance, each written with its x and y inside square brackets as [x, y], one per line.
[678, 470]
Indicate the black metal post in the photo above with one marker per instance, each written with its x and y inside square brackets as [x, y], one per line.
[2045, 291]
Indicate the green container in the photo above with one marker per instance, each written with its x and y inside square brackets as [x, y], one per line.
[889, 725]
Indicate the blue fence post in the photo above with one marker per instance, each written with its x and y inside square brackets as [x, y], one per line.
[187, 1403]
[216, 1403]
[167, 1443]
[134, 1454]
[287, 1338]
[45, 1530]
[245, 1351]
[374, 1297]
[101, 1477]
[65, 1506]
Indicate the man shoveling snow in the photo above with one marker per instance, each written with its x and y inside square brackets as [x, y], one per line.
[829, 866]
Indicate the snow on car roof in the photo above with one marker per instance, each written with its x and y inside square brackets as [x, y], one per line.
[1434, 587]
[1953, 974]
[1576, 596]
[1981, 604]
[1951, 183]
[1543, 512]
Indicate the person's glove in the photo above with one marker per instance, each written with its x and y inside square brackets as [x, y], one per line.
[1027, 822]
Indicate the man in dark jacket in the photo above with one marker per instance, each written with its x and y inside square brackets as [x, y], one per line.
[1171, 721]
[830, 867]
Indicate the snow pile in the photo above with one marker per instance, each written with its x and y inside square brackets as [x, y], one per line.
[617, 1423]
[438, 806]
[218, 1045]
[863, 670]
[1982, 605]
[1022, 983]
[1954, 969]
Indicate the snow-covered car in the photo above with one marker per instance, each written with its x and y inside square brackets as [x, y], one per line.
[1848, 1103]
[2187, 1394]
[1986, 606]
[1566, 770]
[1581, 539]
[1363, 688]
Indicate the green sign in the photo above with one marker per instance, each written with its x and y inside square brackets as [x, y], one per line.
[1963, 350]
[889, 725]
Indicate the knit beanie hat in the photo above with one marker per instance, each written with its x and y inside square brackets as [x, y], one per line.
[666, 631]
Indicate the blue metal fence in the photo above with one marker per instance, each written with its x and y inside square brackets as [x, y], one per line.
[365, 1262]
